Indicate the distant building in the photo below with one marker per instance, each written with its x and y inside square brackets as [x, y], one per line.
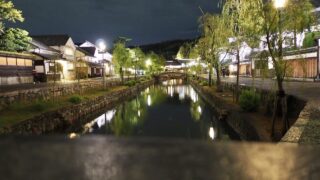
[65, 45]
[44, 67]
[16, 68]
[103, 58]
[95, 68]
[251, 62]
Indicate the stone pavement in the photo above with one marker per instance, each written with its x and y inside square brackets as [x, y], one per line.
[100, 157]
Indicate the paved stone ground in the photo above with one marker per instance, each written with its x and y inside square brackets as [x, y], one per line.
[99, 157]
[307, 128]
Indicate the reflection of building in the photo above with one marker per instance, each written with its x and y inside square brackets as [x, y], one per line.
[16, 68]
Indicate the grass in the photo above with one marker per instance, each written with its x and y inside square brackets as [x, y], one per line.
[18, 112]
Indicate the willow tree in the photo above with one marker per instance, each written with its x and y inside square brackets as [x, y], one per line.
[243, 19]
[276, 26]
[154, 63]
[301, 18]
[214, 39]
[121, 56]
[185, 51]
[138, 58]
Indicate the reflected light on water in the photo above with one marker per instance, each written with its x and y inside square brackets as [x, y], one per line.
[182, 93]
[139, 113]
[199, 109]
[149, 100]
[181, 90]
[211, 133]
[73, 136]
[100, 121]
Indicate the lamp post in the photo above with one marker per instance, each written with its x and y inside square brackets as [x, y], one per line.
[317, 78]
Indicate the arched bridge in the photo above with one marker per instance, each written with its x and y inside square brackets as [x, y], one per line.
[170, 75]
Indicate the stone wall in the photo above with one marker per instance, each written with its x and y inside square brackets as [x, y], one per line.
[69, 118]
[47, 93]
[16, 80]
[239, 120]
[234, 118]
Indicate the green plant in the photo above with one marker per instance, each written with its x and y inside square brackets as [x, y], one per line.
[249, 100]
[309, 40]
[76, 99]
[130, 83]
[203, 83]
[38, 106]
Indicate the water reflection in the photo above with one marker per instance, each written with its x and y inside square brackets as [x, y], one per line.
[172, 109]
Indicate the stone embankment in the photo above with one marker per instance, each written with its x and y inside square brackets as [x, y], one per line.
[241, 122]
[68, 118]
[46, 93]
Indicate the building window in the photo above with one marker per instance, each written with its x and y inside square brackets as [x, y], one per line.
[12, 61]
[28, 62]
[3, 61]
[20, 62]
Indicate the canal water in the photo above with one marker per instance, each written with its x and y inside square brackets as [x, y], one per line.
[172, 109]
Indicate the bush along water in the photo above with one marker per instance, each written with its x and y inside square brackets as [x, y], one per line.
[203, 83]
[76, 99]
[130, 83]
[249, 101]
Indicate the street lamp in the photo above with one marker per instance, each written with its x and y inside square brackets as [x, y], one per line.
[279, 4]
[102, 48]
[148, 63]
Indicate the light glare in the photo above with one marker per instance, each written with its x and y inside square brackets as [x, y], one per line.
[279, 3]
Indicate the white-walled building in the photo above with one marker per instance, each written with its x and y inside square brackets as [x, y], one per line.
[65, 45]
[103, 58]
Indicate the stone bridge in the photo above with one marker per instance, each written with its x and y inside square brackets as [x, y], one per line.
[170, 75]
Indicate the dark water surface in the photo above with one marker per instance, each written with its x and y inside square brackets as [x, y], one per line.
[172, 109]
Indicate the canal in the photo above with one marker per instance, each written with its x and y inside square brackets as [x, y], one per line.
[172, 109]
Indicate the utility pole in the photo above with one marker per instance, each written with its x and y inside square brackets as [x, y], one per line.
[317, 78]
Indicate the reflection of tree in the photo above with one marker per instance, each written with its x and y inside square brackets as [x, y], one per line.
[157, 95]
[196, 111]
[131, 115]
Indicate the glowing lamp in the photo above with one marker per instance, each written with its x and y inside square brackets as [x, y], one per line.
[279, 4]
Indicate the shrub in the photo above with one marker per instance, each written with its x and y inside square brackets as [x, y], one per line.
[309, 40]
[249, 101]
[76, 99]
[203, 83]
[130, 83]
[38, 106]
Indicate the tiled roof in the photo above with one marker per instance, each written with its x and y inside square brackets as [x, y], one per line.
[90, 50]
[52, 40]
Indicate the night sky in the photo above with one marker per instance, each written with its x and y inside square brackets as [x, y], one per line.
[145, 21]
